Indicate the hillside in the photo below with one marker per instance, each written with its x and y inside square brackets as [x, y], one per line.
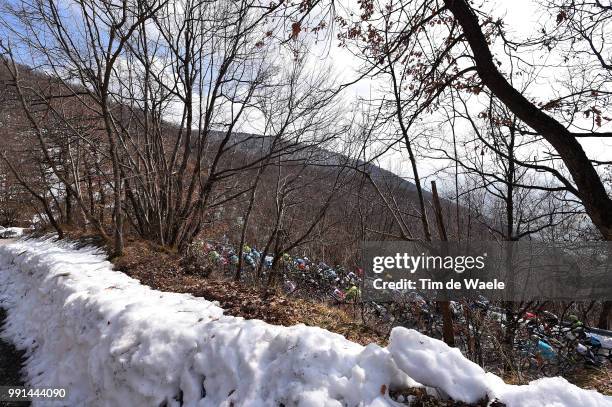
[354, 210]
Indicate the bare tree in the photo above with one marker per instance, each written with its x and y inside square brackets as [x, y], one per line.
[172, 87]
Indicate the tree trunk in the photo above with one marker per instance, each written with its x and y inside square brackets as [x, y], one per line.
[68, 207]
[590, 189]
[448, 331]
[605, 316]
[245, 225]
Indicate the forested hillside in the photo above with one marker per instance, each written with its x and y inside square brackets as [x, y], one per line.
[205, 194]
[285, 193]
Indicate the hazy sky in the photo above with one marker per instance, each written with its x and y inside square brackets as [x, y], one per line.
[522, 18]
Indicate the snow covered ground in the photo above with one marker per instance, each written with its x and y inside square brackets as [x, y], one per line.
[112, 341]
[6, 233]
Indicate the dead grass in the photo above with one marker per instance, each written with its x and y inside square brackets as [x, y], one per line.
[418, 397]
[162, 270]
[595, 379]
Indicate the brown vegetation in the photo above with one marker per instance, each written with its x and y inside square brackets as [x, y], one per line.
[163, 270]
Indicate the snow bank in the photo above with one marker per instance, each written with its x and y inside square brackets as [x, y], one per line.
[435, 364]
[11, 232]
[112, 341]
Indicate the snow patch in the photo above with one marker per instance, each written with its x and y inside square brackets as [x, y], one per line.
[112, 341]
[433, 363]
[445, 367]
[6, 233]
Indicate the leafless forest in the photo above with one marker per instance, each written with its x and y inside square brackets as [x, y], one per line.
[193, 122]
